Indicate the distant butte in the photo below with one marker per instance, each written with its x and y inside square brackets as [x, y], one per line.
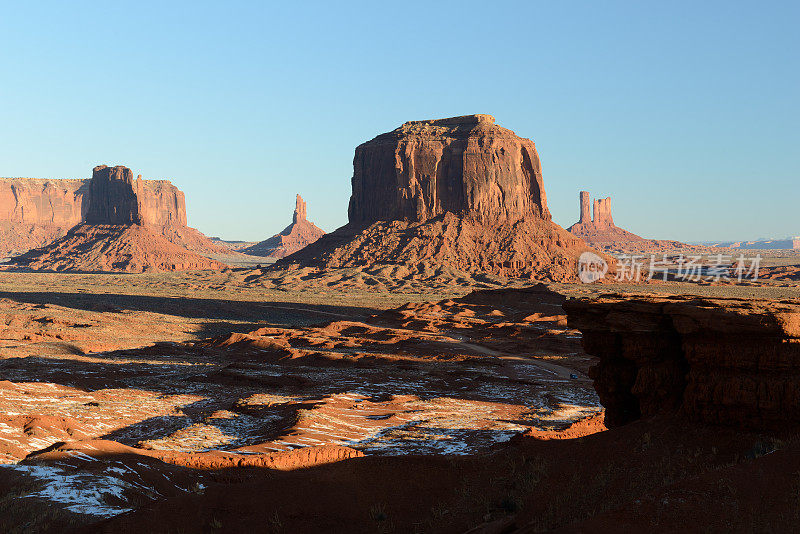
[34, 212]
[598, 230]
[128, 225]
[294, 237]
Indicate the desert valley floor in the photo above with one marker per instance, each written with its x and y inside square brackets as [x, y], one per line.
[219, 405]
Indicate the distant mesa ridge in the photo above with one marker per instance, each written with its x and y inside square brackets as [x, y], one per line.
[125, 224]
[117, 198]
[35, 211]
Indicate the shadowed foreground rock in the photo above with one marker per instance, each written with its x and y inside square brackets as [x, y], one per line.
[721, 361]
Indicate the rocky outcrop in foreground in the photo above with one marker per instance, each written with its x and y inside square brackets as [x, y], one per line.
[599, 230]
[129, 225]
[294, 237]
[721, 361]
[458, 193]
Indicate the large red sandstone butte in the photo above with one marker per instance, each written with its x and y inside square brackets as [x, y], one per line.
[461, 164]
[129, 226]
[294, 237]
[459, 193]
[599, 230]
[35, 212]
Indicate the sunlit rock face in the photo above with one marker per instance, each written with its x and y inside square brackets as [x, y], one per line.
[461, 164]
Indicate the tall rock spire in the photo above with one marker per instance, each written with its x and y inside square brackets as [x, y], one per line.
[585, 201]
[299, 210]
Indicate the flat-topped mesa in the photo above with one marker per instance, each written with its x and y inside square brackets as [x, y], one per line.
[118, 223]
[424, 169]
[457, 195]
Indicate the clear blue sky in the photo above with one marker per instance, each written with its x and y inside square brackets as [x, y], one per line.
[685, 112]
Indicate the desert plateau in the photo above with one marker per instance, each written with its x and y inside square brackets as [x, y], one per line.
[361, 303]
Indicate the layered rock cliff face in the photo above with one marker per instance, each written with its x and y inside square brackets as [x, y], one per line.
[117, 198]
[113, 197]
[458, 193]
[721, 361]
[34, 212]
[600, 231]
[34, 201]
[294, 237]
[125, 224]
[461, 164]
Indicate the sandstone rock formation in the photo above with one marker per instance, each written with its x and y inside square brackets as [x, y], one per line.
[602, 213]
[129, 225]
[459, 192]
[586, 218]
[113, 197]
[721, 361]
[294, 237]
[601, 232]
[36, 212]
[461, 164]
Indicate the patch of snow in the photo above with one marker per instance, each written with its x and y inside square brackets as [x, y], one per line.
[81, 493]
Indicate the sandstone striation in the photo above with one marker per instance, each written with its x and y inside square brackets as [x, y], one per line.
[600, 231]
[722, 361]
[458, 193]
[126, 224]
[294, 237]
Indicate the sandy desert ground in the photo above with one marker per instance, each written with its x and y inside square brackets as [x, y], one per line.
[123, 394]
